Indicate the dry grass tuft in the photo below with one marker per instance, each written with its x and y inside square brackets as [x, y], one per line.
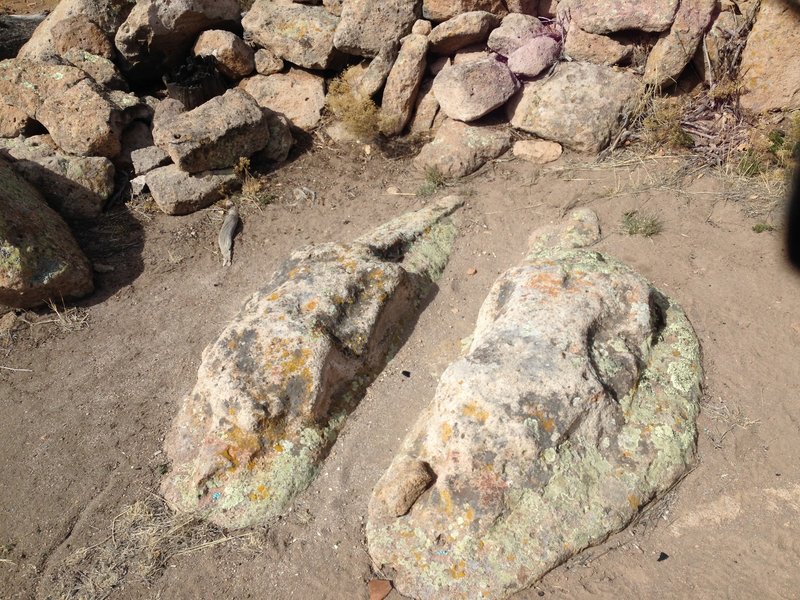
[661, 127]
[434, 181]
[636, 222]
[358, 113]
[143, 539]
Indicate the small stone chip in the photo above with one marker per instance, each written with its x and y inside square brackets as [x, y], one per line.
[379, 589]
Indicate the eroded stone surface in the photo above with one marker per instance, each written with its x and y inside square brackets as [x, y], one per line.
[235, 59]
[39, 258]
[591, 47]
[462, 30]
[574, 407]
[276, 386]
[403, 84]
[441, 10]
[602, 16]
[515, 31]
[367, 26]
[177, 192]
[581, 105]
[298, 95]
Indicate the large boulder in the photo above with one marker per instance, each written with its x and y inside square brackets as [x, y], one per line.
[76, 186]
[462, 30]
[39, 258]
[103, 71]
[297, 95]
[574, 407]
[674, 50]
[162, 32]
[25, 84]
[441, 10]
[275, 388]
[769, 69]
[84, 120]
[107, 15]
[215, 135]
[13, 121]
[581, 105]
[459, 149]
[602, 16]
[80, 33]
[403, 84]
[234, 58]
[301, 34]
[367, 26]
[469, 90]
[177, 192]
[535, 57]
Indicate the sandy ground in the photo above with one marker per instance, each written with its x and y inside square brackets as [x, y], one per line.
[81, 433]
[20, 7]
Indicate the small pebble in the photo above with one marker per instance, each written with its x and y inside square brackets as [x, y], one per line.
[379, 589]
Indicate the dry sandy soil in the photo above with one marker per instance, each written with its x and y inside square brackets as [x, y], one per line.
[81, 432]
[16, 7]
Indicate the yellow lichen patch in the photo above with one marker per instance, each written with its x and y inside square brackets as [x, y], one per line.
[633, 501]
[310, 305]
[260, 493]
[242, 445]
[469, 515]
[447, 432]
[274, 296]
[457, 571]
[232, 345]
[277, 447]
[676, 353]
[447, 501]
[477, 413]
[548, 425]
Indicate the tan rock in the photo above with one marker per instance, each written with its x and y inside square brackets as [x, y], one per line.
[107, 15]
[13, 121]
[769, 71]
[539, 152]
[602, 16]
[374, 77]
[673, 51]
[409, 479]
[39, 258]
[235, 59]
[473, 89]
[462, 30]
[26, 84]
[103, 71]
[514, 32]
[426, 109]
[267, 63]
[581, 105]
[422, 27]
[526, 7]
[460, 149]
[595, 48]
[469, 54]
[403, 84]
[84, 121]
[535, 57]
[297, 95]
[215, 135]
[441, 10]
[80, 33]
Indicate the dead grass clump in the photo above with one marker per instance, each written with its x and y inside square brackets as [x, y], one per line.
[143, 539]
[252, 187]
[662, 127]
[635, 222]
[358, 113]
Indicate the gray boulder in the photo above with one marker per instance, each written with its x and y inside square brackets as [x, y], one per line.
[215, 135]
[580, 106]
[442, 10]
[274, 390]
[602, 16]
[177, 192]
[39, 258]
[367, 26]
[460, 149]
[462, 30]
[469, 90]
[574, 407]
[300, 34]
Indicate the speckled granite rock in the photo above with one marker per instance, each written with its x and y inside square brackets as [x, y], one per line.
[574, 407]
[277, 385]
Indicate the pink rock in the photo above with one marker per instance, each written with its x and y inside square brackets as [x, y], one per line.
[535, 57]
[515, 31]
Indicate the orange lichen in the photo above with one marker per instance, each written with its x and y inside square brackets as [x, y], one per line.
[457, 571]
[447, 432]
[260, 493]
[546, 282]
[310, 305]
[447, 501]
[633, 501]
[472, 410]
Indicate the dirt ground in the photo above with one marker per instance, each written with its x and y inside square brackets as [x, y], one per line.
[83, 419]
[19, 7]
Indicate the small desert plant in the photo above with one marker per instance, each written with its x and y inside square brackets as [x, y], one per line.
[762, 227]
[750, 164]
[252, 186]
[357, 112]
[434, 181]
[635, 222]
